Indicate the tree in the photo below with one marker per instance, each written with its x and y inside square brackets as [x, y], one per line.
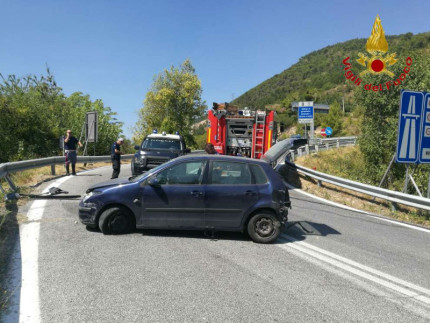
[380, 119]
[35, 113]
[172, 104]
[333, 119]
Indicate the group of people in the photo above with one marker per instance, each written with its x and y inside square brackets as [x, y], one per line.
[70, 151]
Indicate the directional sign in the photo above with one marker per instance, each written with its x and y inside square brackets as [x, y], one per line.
[328, 131]
[323, 132]
[425, 132]
[306, 112]
[410, 127]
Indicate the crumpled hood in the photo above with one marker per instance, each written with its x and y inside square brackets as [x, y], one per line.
[112, 182]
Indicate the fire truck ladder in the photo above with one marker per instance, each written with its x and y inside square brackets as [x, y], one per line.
[258, 140]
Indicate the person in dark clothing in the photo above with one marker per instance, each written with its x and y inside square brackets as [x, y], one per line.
[70, 151]
[116, 157]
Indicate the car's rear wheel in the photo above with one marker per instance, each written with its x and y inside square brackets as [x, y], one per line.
[116, 220]
[264, 227]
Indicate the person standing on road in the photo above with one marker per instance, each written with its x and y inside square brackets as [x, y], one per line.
[70, 151]
[116, 157]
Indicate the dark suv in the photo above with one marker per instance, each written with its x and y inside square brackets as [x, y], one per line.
[156, 149]
[197, 192]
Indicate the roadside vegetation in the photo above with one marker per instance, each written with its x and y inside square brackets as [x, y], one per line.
[35, 112]
[349, 163]
[172, 104]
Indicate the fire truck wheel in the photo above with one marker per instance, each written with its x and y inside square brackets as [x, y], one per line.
[264, 227]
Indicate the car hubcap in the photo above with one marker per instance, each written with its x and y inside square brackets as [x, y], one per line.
[264, 227]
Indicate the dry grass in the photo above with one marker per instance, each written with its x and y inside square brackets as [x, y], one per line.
[347, 163]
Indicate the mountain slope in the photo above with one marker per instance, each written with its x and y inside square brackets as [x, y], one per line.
[320, 76]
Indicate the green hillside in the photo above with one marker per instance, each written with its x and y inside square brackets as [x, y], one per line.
[319, 76]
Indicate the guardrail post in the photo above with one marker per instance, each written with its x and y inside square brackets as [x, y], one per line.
[337, 143]
[307, 149]
[319, 183]
[10, 182]
[326, 145]
[316, 149]
[52, 169]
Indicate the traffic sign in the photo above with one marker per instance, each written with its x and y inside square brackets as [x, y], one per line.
[329, 131]
[323, 132]
[306, 112]
[425, 133]
[412, 123]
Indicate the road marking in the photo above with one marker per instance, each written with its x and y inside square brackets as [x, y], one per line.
[405, 288]
[376, 216]
[28, 300]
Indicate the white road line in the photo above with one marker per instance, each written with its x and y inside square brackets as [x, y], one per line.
[28, 300]
[403, 287]
[375, 216]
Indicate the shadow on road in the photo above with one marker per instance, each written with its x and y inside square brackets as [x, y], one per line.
[191, 234]
[10, 258]
[301, 229]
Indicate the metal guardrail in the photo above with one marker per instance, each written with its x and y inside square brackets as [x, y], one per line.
[8, 168]
[12, 167]
[393, 196]
[318, 145]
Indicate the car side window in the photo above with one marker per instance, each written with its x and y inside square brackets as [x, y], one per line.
[182, 174]
[259, 174]
[232, 173]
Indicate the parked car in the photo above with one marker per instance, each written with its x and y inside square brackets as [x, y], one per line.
[197, 192]
[156, 149]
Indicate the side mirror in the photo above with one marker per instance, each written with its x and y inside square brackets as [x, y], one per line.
[187, 150]
[136, 147]
[153, 181]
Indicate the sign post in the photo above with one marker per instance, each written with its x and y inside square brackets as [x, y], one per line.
[413, 135]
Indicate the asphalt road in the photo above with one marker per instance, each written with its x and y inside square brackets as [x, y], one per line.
[330, 264]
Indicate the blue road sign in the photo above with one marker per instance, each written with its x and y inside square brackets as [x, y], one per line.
[306, 112]
[425, 131]
[410, 127]
[328, 131]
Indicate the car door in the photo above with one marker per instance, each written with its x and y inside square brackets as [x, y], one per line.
[229, 194]
[178, 199]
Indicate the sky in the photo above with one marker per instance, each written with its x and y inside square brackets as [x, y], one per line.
[112, 50]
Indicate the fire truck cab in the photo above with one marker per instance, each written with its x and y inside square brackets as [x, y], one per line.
[240, 132]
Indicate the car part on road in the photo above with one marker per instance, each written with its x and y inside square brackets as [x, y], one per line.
[116, 220]
[53, 193]
[264, 227]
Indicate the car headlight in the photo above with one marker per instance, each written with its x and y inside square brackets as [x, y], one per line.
[88, 195]
[140, 159]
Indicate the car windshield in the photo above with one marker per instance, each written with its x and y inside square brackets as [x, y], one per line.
[161, 143]
[146, 174]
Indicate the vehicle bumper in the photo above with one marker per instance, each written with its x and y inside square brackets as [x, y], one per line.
[87, 214]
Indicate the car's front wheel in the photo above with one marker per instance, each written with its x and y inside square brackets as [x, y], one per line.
[264, 227]
[116, 220]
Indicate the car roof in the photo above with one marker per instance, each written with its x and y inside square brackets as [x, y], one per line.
[221, 158]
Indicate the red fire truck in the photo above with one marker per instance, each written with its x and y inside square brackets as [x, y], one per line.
[240, 132]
